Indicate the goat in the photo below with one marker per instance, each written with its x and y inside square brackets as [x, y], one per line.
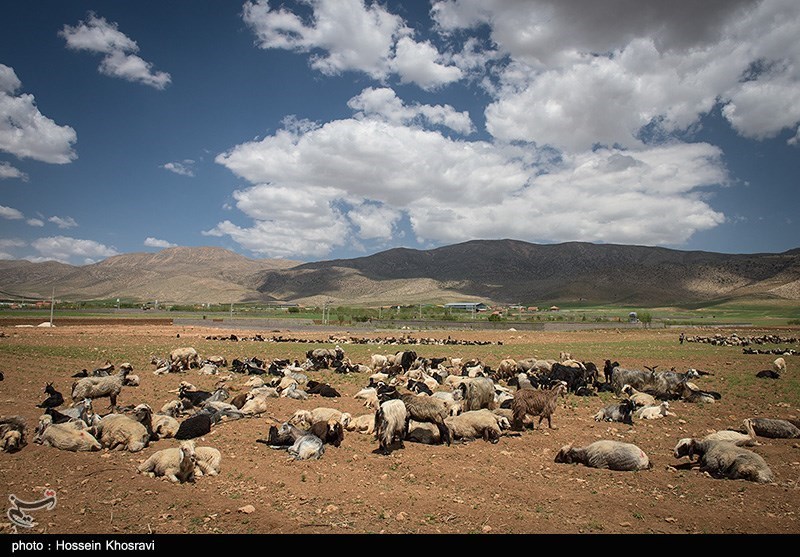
[536, 403]
[54, 399]
[391, 423]
[428, 409]
[616, 413]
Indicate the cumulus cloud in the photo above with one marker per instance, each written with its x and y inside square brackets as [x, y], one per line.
[321, 186]
[8, 171]
[587, 73]
[384, 103]
[156, 243]
[63, 222]
[27, 133]
[183, 168]
[97, 35]
[35, 222]
[71, 250]
[349, 35]
[10, 213]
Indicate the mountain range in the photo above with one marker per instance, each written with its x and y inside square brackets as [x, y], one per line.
[499, 271]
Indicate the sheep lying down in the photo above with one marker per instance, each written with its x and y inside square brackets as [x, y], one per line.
[613, 455]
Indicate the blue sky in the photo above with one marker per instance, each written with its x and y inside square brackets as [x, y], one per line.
[323, 129]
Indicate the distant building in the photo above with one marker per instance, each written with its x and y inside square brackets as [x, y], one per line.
[533, 308]
[467, 306]
[554, 308]
[633, 317]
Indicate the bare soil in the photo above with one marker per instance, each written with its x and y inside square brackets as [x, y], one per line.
[513, 486]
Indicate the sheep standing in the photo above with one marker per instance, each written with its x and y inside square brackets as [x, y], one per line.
[612, 455]
[185, 358]
[723, 459]
[99, 387]
[177, 464]
[68, 437]
[429, 409]
[391, 422]
[536, 403]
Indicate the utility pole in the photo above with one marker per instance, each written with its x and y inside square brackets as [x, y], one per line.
[231, 310]
[52, 305]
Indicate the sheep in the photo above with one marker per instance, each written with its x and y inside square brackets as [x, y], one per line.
[362, 424]
[322, 389]
[99, 387]
[775, 429]
[639, 398]
[54, 399]
[186, 358]
[207, 461]
[423, 432]
[475, 424]
[256, 404]
[123, 432]
[613, 455]
[453, 401]
[67, 437]
[428, 409]
[177, 464]
[653, 412]
[255, 381]
[391, 422]
[131, 381]
[536, 403]
[478, 393]
[506, 368]
[307, 447]
[779, 365]
[194, 426]
[164, 426]
[12, 434]
[331, 432]
[737, 438]
[219, 361]
[616, 413]
[723, 459]
[307, 418]
[172, 408]
[690, 393]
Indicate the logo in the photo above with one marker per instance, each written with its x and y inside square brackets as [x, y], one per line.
[17, 513]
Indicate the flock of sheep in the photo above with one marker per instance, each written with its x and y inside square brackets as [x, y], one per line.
[410, 398]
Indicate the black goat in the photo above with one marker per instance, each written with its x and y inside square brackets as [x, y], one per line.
[194, 426]
[54, 400]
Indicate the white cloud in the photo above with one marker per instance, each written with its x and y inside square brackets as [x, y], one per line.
[69, 250]
[454, 190]
[63, 222]
[584, 73]
[183, 168]
[100, 36]
[10, 213]
[27, 133]
[6, 243]
[384, 103]
[35, 222]
[156, 243]
[421, 63]
[8, 171]
[349, 35]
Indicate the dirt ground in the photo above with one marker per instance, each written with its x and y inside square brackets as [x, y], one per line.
[513, 486]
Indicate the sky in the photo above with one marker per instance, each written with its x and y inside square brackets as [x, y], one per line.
[323, 129]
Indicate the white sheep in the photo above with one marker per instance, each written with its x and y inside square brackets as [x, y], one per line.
[736, 437]
[177, 464]
[639, 398]
[307, 418]
[256, 404]
[99, 387]
[653, 412]
[779, 365]
[69, 436]
[362, 424]
[207, 461]
[370, 397]
[613, 455]
[120, 431]
[254, 382]
[475, 424]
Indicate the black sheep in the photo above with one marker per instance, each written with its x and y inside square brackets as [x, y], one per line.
[331, 432]
[54, 400]
[194, 426]
[323, 389]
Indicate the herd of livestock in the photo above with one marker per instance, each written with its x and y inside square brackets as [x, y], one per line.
[409, 398]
